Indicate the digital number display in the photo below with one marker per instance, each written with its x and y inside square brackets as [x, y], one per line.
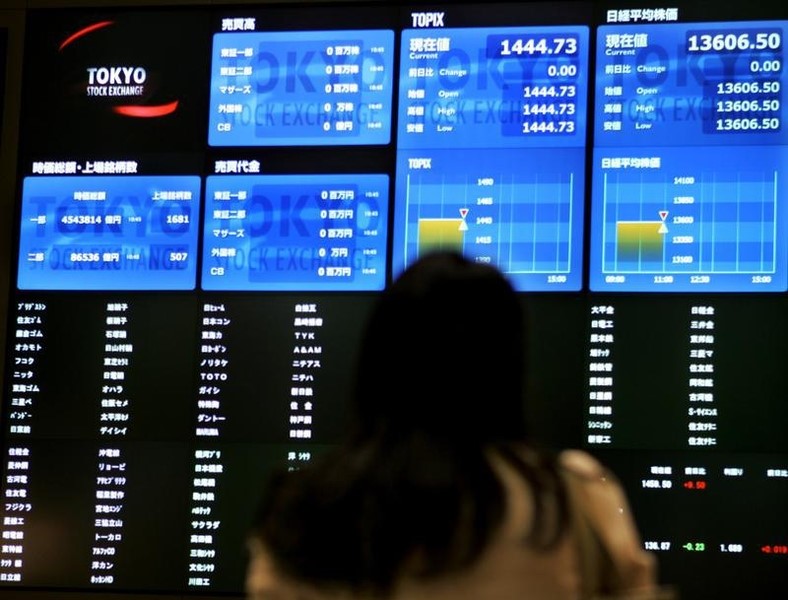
[301, 87]
[746, 40]
[532, 45]
[109, 232]
[304, 232]
[476, 106]
[689, 153]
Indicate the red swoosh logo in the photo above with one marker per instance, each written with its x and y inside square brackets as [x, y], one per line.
[130, 110]
[85, 31]
[145, 112]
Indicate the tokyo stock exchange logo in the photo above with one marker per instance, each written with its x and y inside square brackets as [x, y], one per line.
[125, 88]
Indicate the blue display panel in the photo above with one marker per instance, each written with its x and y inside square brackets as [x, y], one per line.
[295, 232]
[689, 158]
[301, 88]
[109, 233]
[490, 150]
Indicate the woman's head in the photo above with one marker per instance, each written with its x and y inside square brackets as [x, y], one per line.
[443, 353]
[412, 491]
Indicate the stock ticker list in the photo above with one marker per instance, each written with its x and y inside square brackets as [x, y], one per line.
[669, 380]
[138, 452]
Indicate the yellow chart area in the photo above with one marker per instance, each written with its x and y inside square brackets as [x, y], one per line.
[640, 241]
[441, 234]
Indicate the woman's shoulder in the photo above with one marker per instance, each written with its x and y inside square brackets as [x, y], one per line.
[580, 462]
[599, 501]
[595, 492]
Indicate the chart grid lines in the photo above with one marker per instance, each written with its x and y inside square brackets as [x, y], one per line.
[718, 228]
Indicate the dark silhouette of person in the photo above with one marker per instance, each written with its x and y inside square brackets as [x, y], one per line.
[437, 492]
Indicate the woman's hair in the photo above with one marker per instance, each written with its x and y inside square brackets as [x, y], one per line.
[411, 490]
[444, 353]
